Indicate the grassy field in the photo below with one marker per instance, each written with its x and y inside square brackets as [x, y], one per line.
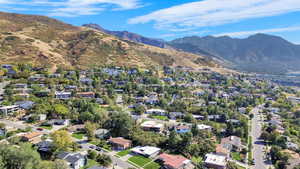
[90, 163]
[152, 165]
[78, 135]
[236, 156]
[165, 118]
[139, 160]
[123, 153]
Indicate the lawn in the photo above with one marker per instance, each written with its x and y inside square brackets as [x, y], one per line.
[78, 135]
[236, 156]
[46, 127]
[152, 165]
[164, 118]
[139, 160]
[123, 153]
[90, 163]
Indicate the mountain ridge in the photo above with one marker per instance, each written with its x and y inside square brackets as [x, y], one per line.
[48, 42]
[130, 36]
[260, 53]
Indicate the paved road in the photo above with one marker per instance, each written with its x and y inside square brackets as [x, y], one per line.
[258, 150]
[118, 163]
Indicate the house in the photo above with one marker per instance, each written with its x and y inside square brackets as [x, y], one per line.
[182, 129]
[159, 112]
[45, 146]
[198, 117]
[119, 143]
[146, 151]
[233, 143]
[152, 126]
[242, 110]
[61, 122]
[215, 161]
[33, 137]
[175, 115]
[70, 87]
[75, 128]
[20, 85]
[6, 110]
[74, 160]
[101, 133]
[63, 95]
[86, 95]
[175, 161]
[26, 105]
[3, 132]
[204, 127]
[222, 150]
[86, 81]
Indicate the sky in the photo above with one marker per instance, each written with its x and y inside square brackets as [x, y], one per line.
[171, 19]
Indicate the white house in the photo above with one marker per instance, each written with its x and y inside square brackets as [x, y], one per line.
[74, 160]
[204, 127]
[156, 112]
[215, 161]
[147, 151]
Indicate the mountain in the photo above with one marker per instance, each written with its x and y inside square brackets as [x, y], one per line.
[43, 41]
[130, 36]
[258, 53]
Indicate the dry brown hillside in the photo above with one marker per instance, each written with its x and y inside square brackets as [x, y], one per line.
[48, 42]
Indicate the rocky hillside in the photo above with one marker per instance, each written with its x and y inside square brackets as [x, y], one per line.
[48, 42]
[258, 53]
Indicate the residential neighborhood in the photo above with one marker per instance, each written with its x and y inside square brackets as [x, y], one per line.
[119, 117]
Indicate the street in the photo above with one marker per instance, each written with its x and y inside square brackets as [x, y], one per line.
[117, 162]
[258, 145]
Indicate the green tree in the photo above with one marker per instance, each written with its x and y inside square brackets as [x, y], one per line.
[90, 129]
[104, 160]
[62, 140]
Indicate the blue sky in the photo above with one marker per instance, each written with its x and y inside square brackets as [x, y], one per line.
[170, 19]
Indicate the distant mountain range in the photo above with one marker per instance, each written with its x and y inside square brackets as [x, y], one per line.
[130, 36]
[257, 53]
[260, 53]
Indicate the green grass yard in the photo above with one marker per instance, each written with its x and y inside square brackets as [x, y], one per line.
[236, 156]
[78, 135]
[139, 160]
[90, 163]
[46, 127]
[152, 165]
[123, 153]
[164, 118]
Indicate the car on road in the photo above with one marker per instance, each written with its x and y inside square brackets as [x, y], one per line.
[40, 129]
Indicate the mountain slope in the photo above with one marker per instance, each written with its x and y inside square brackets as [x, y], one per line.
[48, 42]
[130, 36]
[257, 53]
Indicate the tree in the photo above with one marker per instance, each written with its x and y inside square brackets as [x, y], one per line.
[60, 164]
[120, 124]
[92, 154]
[90, 129]
[104, 160]
[60, 109]
[62, 140]
[22, 157]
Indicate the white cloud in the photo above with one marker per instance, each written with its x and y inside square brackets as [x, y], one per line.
[215, 12]
[72, 8]
[247, 33]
